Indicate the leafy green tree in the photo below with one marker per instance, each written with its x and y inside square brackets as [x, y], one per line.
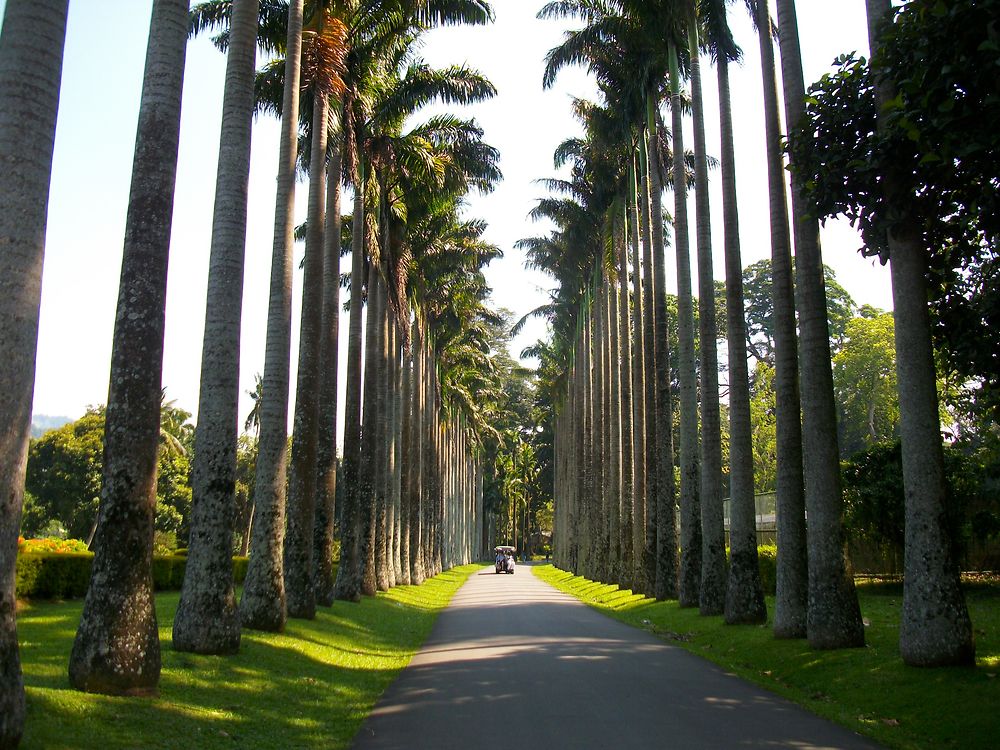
[940, 60]
[246, 463]
[763, 421]
[759, 309]
[173, 496]
[864, 378]
[906, 155]
[34, 520]
[64, 473]
[875, 497]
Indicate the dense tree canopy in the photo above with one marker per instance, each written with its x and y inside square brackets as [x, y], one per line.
[942, 60]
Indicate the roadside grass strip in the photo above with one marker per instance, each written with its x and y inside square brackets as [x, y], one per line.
[868, 690]
[309, 687]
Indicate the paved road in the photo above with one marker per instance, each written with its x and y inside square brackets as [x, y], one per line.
[514, 663]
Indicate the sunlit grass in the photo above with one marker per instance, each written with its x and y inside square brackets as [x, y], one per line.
[310, 686]
[869, 690]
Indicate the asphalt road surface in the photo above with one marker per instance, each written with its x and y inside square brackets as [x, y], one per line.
[512, 663]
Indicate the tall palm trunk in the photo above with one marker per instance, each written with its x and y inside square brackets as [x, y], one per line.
[935, 629]
[34, 33]
[437, 537]
[417, 448]
[580, 457]
[665, 586]
[326, 456]
[589, 484]
[833, 616]
[691, 543]
[301, 596]
[383, 565]
[263, 604]
[615, 443]
[744, 592]
[427, 460]
[649, 361]
[381, 445]
[790, 603]
[626, 572]
[713, 538]
[601, 468]
[348, 584]
[368, 474]
[396, 394]
[406, 464]
[207, 619]
[117, 646]
[639, 472]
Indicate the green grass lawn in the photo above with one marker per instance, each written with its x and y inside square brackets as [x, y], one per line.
[309, 687]
[869, 690]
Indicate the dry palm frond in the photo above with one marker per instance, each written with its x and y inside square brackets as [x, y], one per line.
[324, 52]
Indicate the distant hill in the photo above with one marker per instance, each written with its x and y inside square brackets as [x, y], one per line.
[42, 423]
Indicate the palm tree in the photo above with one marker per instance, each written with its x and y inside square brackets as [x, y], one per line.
[691, 543]
[744, 593]
[713, 540]
[368, 465]
[792, 583]
[325, 40]
[348, 583]
[263, 604]
[117, 647]
[31, 51]
[377, 103]
[935, 629]
[326, 458]
[615, 44]
[415, 490]
[639, 473]
[834, 616]
[207, 619]
[627, 431]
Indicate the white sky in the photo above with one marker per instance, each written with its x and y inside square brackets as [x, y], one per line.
[90, 183]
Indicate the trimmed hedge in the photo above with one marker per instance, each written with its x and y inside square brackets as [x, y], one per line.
[52, 575]
[46, 575]
[767, 561]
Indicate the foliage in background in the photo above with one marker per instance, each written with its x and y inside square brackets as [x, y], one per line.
[864, 381]
[874, 498]
[763, 428]
[64, 477]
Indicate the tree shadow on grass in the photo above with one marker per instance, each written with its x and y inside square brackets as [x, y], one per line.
[309, 687]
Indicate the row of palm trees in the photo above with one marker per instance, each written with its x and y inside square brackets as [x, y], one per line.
[344, 77]
[616, 499]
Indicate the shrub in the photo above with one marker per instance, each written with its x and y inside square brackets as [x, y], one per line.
[47, 575]
[168, 572]
[51, 545]
[66, 575]
[240, 568]
[767, 561]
